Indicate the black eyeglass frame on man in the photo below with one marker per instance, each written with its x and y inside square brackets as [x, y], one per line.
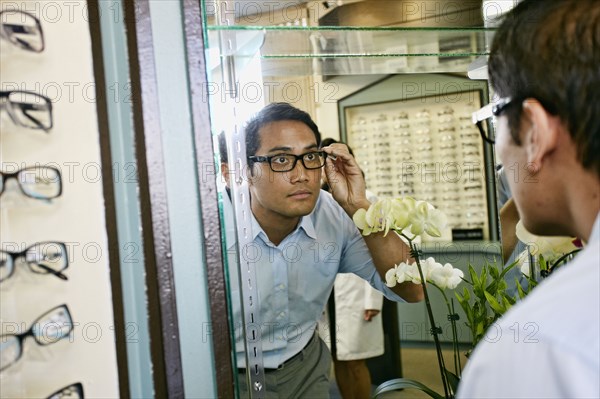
[492, 109]
[321, 155]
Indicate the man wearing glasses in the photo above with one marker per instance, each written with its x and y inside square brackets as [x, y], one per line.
[303, 237]
[545, 65]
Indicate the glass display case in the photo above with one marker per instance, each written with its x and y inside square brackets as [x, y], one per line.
[267, 53]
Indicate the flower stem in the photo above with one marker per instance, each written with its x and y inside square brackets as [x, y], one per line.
[451, 313]
[434, 331]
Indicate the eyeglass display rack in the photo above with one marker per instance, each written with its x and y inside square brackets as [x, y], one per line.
[58, 66]
[423, 146]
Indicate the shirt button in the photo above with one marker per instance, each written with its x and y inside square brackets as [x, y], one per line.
[281, 286]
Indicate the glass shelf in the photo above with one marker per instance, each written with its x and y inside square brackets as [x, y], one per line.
[335, 50]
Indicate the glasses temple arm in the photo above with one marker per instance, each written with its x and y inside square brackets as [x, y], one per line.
[54, 272]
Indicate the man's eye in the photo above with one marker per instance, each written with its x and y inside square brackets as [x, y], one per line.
[310, 157]
[280, 160]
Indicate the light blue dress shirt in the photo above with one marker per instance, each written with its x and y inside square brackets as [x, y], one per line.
[295, 278]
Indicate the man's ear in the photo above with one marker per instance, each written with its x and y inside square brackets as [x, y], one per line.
[541, 137]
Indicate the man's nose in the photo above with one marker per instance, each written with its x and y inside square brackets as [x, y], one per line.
[299, 173]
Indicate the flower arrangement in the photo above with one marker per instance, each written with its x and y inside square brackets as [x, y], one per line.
[411, 219]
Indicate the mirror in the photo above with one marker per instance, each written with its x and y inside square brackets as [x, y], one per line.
[372, 83]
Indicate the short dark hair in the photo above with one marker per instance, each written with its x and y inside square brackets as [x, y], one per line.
[550, 51]
[276, 112]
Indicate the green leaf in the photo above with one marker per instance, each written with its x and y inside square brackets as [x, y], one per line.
[453, 379]
[494, 303]
[520, 289]
[508, 268]
[509, 298]
[542, 262]
[502, 286]
[506, 304]
[494, 272]
[479, 329]
[474, 277]
[405, 383]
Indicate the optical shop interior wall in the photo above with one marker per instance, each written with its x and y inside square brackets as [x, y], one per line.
[55, 283]
[393, 83]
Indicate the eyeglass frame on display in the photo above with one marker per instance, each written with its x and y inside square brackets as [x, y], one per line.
[48, 104]
[8, 35]
[23, 254]
[22, 336]
[78, 386]
[6, 176]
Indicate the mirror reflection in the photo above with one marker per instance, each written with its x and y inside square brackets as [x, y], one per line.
[301, 274]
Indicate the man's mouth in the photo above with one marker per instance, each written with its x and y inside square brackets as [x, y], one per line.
[300, 194]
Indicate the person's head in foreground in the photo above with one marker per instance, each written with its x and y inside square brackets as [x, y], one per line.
[545, 60]
[545, 67]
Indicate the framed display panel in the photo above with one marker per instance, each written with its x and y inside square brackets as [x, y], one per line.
[425, 146]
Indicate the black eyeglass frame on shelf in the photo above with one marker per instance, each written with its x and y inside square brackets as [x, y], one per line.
[33, 265]
[68, 390]
[30, 332]
[45, 101]
[492, 109]
[6, 176]
[302, 157]
[8, 30]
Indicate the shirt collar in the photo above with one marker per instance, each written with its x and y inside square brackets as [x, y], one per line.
[305, 224]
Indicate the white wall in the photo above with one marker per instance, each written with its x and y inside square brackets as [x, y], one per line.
[329, 93]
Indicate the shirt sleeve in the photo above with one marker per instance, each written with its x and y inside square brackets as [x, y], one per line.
[356, 258]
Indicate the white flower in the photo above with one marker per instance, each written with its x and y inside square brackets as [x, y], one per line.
[390, 277]
[446, 276]
[360, 220]
[397, 275]
[548, 246]
[402, 272]
[404, 215]
[401, 210]
[425, 217]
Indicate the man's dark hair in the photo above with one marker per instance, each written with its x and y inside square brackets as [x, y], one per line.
[276, 112]
[550, 51]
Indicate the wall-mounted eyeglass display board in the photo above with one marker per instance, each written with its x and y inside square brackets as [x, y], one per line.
[413, 136]
[57, 330]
